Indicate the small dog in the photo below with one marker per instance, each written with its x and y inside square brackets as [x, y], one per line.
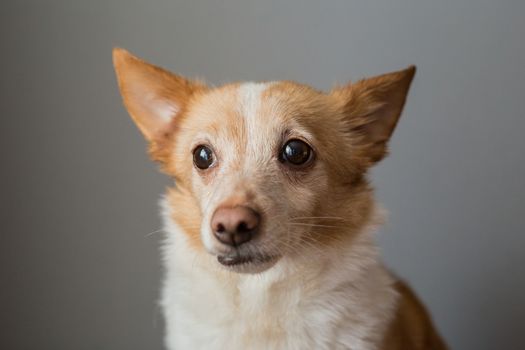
[270, 224]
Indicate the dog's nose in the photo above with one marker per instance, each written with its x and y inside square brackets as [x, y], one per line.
[234, 226]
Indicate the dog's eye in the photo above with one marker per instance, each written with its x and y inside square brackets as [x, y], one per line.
[203, 157]
[296, 152]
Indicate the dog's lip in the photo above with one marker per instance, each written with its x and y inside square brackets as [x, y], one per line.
[236, 260]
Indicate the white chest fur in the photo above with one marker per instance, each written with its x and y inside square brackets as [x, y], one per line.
[337, 300]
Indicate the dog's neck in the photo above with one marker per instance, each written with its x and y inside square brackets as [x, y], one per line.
[343, 288]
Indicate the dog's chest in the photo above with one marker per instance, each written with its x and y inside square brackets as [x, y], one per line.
[205, 314]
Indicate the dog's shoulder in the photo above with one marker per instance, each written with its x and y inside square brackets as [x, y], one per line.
[411, 327]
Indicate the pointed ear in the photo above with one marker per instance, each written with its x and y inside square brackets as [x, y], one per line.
[372, 108]
[153, 96]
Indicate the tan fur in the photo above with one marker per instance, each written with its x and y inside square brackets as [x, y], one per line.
[187, 215]
[411, 328]
[350, 128]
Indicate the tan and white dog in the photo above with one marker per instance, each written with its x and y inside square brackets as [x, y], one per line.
[270, 224]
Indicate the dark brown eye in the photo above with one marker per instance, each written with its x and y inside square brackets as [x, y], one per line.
[296, 152]
[203, 157]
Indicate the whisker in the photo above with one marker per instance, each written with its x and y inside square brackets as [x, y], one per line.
[318, 217]
[152, 233]
[311, 225]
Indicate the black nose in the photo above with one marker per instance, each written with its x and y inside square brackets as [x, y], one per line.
[235, 226]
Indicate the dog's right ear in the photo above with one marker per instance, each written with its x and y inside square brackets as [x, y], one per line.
[153, 96]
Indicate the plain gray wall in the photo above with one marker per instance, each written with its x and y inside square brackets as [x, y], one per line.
[78, 197]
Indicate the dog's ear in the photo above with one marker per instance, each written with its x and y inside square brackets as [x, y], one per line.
[152, 95]
[372, 108]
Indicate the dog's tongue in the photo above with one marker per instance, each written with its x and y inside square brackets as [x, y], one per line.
[231, 260]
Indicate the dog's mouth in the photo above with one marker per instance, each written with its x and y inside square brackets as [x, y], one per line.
[238, 260]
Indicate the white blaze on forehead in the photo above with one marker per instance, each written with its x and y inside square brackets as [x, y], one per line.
[250, 100]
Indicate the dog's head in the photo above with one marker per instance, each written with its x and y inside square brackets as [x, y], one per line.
[263, 170]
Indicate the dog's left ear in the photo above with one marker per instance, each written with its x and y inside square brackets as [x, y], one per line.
[372, 108]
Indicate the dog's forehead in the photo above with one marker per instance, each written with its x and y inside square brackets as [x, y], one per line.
[251, 97]
[259, 113]
[247, 107]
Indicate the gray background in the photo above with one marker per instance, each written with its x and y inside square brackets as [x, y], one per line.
[78, 193]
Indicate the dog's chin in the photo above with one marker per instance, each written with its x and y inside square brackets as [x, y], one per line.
[247, 263]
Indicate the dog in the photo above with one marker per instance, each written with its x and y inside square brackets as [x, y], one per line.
[269, 227]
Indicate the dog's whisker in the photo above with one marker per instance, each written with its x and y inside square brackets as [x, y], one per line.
[295, 247]
[318, 217]
[152, 233]
[311, 225]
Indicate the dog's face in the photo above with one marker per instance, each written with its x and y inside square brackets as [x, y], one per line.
[263, 170]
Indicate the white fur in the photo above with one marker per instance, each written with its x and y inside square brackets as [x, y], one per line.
[250, 98]
[342, 299]
[164, 110]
